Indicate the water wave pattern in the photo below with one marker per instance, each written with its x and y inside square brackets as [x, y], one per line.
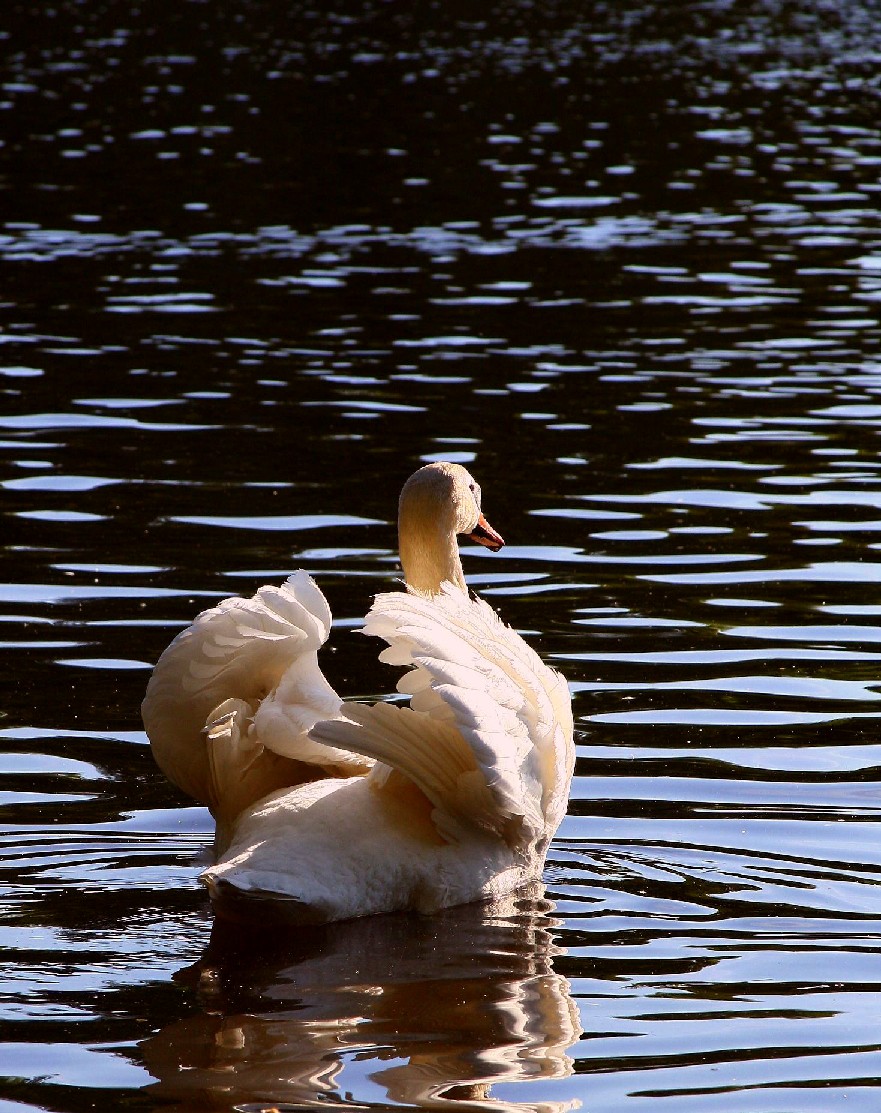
[622, 261]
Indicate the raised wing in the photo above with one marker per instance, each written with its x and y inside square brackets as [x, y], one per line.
[488, 736]
[262, 653]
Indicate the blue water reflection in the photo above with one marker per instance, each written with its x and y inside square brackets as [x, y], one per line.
[622, 261]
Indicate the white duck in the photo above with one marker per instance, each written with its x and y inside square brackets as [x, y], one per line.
[332, 810]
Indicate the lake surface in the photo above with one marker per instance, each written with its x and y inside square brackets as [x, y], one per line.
[260, 262]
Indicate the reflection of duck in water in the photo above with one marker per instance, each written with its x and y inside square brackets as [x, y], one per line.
[333, 810]
[428, 1011]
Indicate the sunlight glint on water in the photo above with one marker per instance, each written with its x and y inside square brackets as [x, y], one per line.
[621, 261]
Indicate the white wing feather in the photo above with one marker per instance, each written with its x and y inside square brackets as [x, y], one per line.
[488, 737]
[262, 652]
[431, 754]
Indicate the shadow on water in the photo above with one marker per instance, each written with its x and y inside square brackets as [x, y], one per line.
[424, 1011]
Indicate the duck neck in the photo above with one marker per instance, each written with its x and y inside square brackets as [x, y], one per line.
[429, 553]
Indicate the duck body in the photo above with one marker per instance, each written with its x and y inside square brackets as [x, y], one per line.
[380, 863]
[329, 810]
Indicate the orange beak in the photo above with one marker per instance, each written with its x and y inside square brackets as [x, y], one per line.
[485, 535]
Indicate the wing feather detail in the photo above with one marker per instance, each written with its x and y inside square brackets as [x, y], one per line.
[430, 753]
[261, 652]
[483, 708]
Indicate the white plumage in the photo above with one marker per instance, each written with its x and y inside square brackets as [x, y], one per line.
[331, 810]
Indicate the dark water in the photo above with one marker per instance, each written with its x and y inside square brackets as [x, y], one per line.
[260, 261]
